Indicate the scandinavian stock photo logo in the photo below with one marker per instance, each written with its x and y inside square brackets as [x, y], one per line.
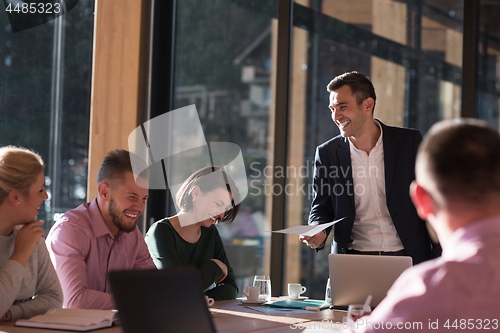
[172, 147]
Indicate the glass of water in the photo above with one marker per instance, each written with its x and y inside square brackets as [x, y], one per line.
[355, 311]
[328, 292]
[264, 284]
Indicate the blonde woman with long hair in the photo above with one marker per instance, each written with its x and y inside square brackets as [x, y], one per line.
[28, 281]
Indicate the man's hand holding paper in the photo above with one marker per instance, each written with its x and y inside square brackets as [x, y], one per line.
[312, 235]
[316, 241]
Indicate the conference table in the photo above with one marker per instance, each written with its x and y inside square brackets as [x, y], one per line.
[233, 317]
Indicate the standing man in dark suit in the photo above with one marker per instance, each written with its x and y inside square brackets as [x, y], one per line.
[364, 175]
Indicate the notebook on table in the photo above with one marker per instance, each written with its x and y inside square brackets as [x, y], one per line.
[71, 319]
[298, 304]
[166, 300]
[353, 277]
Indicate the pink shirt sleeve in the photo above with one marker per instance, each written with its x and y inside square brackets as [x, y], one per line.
[143, 259]
[68, 248]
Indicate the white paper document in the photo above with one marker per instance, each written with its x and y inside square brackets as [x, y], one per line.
[307, 230]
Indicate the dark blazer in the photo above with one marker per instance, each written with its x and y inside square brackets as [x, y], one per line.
[334, 191]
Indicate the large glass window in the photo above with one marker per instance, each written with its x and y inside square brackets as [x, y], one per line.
[223, 63]
[411, 51]
[45, 100]
[489, 63]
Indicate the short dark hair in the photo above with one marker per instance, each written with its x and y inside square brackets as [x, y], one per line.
[462, 158]
[116, 164]
[184, 199]
[360, 85]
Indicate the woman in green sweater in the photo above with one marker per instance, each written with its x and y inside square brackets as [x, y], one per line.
[206, 198]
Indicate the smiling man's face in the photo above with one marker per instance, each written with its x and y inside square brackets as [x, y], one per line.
[126, 203]
[347, 114]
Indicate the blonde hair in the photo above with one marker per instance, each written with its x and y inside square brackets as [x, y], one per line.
[19, 169]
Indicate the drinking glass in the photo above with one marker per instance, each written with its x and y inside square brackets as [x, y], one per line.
[328, 292]
[264, 284]
[354, 312]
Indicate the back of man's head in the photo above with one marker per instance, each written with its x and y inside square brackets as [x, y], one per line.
[115, 166]
[459, 161]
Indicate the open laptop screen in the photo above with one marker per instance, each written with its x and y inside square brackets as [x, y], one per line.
[353, 277]
[167, 300]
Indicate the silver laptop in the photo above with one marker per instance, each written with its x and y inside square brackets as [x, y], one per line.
[353, 277]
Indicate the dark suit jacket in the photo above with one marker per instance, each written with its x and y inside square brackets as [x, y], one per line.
[334, 191]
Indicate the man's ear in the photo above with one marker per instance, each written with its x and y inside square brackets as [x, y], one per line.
[422, 200]
[369, 103]
[103, 191]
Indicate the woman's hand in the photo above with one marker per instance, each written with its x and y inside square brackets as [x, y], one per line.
[26, 240]
[223, 267]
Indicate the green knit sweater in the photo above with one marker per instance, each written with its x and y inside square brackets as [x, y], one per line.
[169, 249]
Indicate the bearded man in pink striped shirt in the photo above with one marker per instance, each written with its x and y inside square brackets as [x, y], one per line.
[97, 237]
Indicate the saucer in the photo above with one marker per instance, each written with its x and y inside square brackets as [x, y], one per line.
[302, 298]
[245, 301]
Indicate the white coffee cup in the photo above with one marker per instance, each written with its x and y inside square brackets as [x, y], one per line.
[295, 289]
[252, 293]
[210, 301]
